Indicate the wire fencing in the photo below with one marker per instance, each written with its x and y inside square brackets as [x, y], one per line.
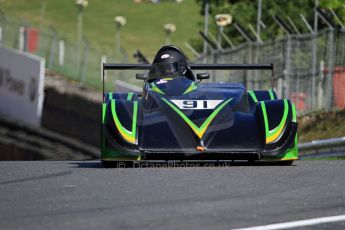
[79, 62]
[309, 68]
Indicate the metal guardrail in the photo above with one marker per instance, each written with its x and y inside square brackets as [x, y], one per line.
[323, 148]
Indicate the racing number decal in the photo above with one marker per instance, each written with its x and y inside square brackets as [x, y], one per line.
[190, 104]
[199, 131]
[196, 104]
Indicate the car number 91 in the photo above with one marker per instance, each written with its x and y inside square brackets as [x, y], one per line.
[196, 104]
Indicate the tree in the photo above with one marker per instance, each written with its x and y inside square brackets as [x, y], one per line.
[245, 13]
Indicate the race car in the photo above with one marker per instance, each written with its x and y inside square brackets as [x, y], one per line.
[178, 117]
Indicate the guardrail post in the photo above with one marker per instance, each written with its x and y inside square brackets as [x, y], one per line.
[0, 34]
[321, 85]
[251, 80]
[84, 62]
[215, 60]
[314, 58]
[103, 74]
[287, 67]
[329, 80]
[61, 53]
[21, 37]
[52, 48]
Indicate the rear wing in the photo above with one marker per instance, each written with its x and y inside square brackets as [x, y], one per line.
[109, 66]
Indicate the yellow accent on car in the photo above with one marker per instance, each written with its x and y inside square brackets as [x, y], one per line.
[274, 136]
[127, 137]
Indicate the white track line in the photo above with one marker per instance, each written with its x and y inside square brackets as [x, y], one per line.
[295, 224]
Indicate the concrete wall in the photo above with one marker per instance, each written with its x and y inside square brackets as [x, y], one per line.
[20, 141]
[72, 115]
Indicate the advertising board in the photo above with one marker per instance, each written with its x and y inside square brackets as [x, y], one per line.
[21, 85]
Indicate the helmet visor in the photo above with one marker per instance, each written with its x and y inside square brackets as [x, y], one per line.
[164, 70]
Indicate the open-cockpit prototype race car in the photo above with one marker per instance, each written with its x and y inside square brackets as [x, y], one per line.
[178, 117]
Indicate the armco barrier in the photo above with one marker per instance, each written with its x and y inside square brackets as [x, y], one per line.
[326, 145]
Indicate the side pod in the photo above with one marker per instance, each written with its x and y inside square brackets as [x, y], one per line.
[262, 95]
[120, 129]
[279, 125]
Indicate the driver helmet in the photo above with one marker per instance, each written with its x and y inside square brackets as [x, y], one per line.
[169, 63]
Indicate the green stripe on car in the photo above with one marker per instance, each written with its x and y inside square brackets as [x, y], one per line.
[155, 88]
[191, 88]
[129, 136]
[199, 131]
[129, 96]
[271, 94]
[294, 116]
[252, 94]
[272, 135]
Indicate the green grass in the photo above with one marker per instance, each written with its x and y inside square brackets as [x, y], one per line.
[322, 125]
[324, 159]
[143, 31]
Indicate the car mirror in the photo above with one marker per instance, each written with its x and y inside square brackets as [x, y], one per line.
[141, 76]
[202, 76]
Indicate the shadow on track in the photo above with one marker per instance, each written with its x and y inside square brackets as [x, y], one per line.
[174, 164]
[41, 177]
[87, 164]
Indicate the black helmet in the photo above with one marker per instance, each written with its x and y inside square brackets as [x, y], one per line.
[169, 62]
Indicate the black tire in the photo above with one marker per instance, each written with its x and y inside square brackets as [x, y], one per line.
[280, 163]
[271, 163]
[287, 163]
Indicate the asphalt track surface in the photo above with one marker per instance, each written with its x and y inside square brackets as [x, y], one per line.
[84, 195]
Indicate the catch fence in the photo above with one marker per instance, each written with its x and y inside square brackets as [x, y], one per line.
[79, 62]
[309, 68]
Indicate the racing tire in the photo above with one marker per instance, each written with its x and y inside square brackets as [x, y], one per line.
[280, 163]
[271, 163]
[287, 163]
